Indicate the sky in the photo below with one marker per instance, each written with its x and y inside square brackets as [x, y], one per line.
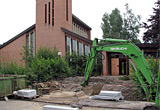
[18, 15]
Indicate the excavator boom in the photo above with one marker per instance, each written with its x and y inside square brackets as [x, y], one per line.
[129, 49]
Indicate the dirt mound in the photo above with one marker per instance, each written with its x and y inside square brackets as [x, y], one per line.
[111, 83]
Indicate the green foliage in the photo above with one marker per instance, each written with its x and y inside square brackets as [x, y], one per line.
[131, 25]
[47, 69]
[152, 28]
[140, 91]
[47, 53]
[27, 56]
[98, 67]
[77, 64]
[152, 62]
[124, 78]
[115, 25]
[46, 65]
[112, 24]
[11, 68]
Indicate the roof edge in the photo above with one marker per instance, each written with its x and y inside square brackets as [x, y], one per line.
[81, 22]
[17, 36]
[79, 36]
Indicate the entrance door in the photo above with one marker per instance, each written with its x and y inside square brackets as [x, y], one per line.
[123, 66]
[115, 66]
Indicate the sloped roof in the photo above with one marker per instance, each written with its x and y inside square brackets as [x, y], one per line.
[147, 46]
[76, 35]
[17, 36]
[80, 22]
[33, 27]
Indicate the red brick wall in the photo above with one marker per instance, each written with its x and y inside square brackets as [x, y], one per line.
[89, 34]
[48, 35]
[105, 63]
[11, 52]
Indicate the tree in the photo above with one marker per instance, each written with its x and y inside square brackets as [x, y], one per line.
[115, 25]
[153, 29]
[131, 25]
[112, 24]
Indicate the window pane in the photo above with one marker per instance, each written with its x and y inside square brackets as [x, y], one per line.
[45, 13]
[33, 43]
[67, 10]
[27, 41]
[68, 42]
[80, 48]
[52, 12]
[73, 46]
[86, 50]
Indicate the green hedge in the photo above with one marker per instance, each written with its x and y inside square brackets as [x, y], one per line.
[77, 64]
[46, 65]
[11, 68]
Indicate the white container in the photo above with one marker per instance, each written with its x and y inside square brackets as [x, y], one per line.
[27, 93]
[50, 107]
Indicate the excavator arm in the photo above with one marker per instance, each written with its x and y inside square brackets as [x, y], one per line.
[129, 49]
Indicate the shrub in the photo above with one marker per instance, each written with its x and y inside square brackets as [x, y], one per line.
[77, 64]
[47, 69]
[27, 56]
[46, 65]
[11, 68]
[151, 62]
[47, 53]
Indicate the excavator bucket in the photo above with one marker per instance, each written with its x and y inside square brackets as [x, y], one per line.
[94, 89]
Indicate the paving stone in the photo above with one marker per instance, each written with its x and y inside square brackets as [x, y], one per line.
[108, 95]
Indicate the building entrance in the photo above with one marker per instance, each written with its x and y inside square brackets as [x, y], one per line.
[123, 66]
[118, 64]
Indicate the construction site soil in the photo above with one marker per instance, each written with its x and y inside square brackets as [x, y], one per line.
[67, 92]
[111, 83]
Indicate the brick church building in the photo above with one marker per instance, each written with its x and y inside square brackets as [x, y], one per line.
[55, 26]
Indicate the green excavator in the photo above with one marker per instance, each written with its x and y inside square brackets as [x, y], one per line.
[149, 81]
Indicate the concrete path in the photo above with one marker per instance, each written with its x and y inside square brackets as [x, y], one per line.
[67, 98]
[29, 105]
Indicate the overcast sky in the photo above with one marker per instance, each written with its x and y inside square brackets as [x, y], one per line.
[18, 15]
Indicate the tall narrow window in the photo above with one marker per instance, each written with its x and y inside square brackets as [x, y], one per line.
[74, 46]
[68, 44]
[86, 50]
[32, 42]
[27, 42]
[49, 10]
[45, 13]
[52, 12]
[80, 48]
[67, 10]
